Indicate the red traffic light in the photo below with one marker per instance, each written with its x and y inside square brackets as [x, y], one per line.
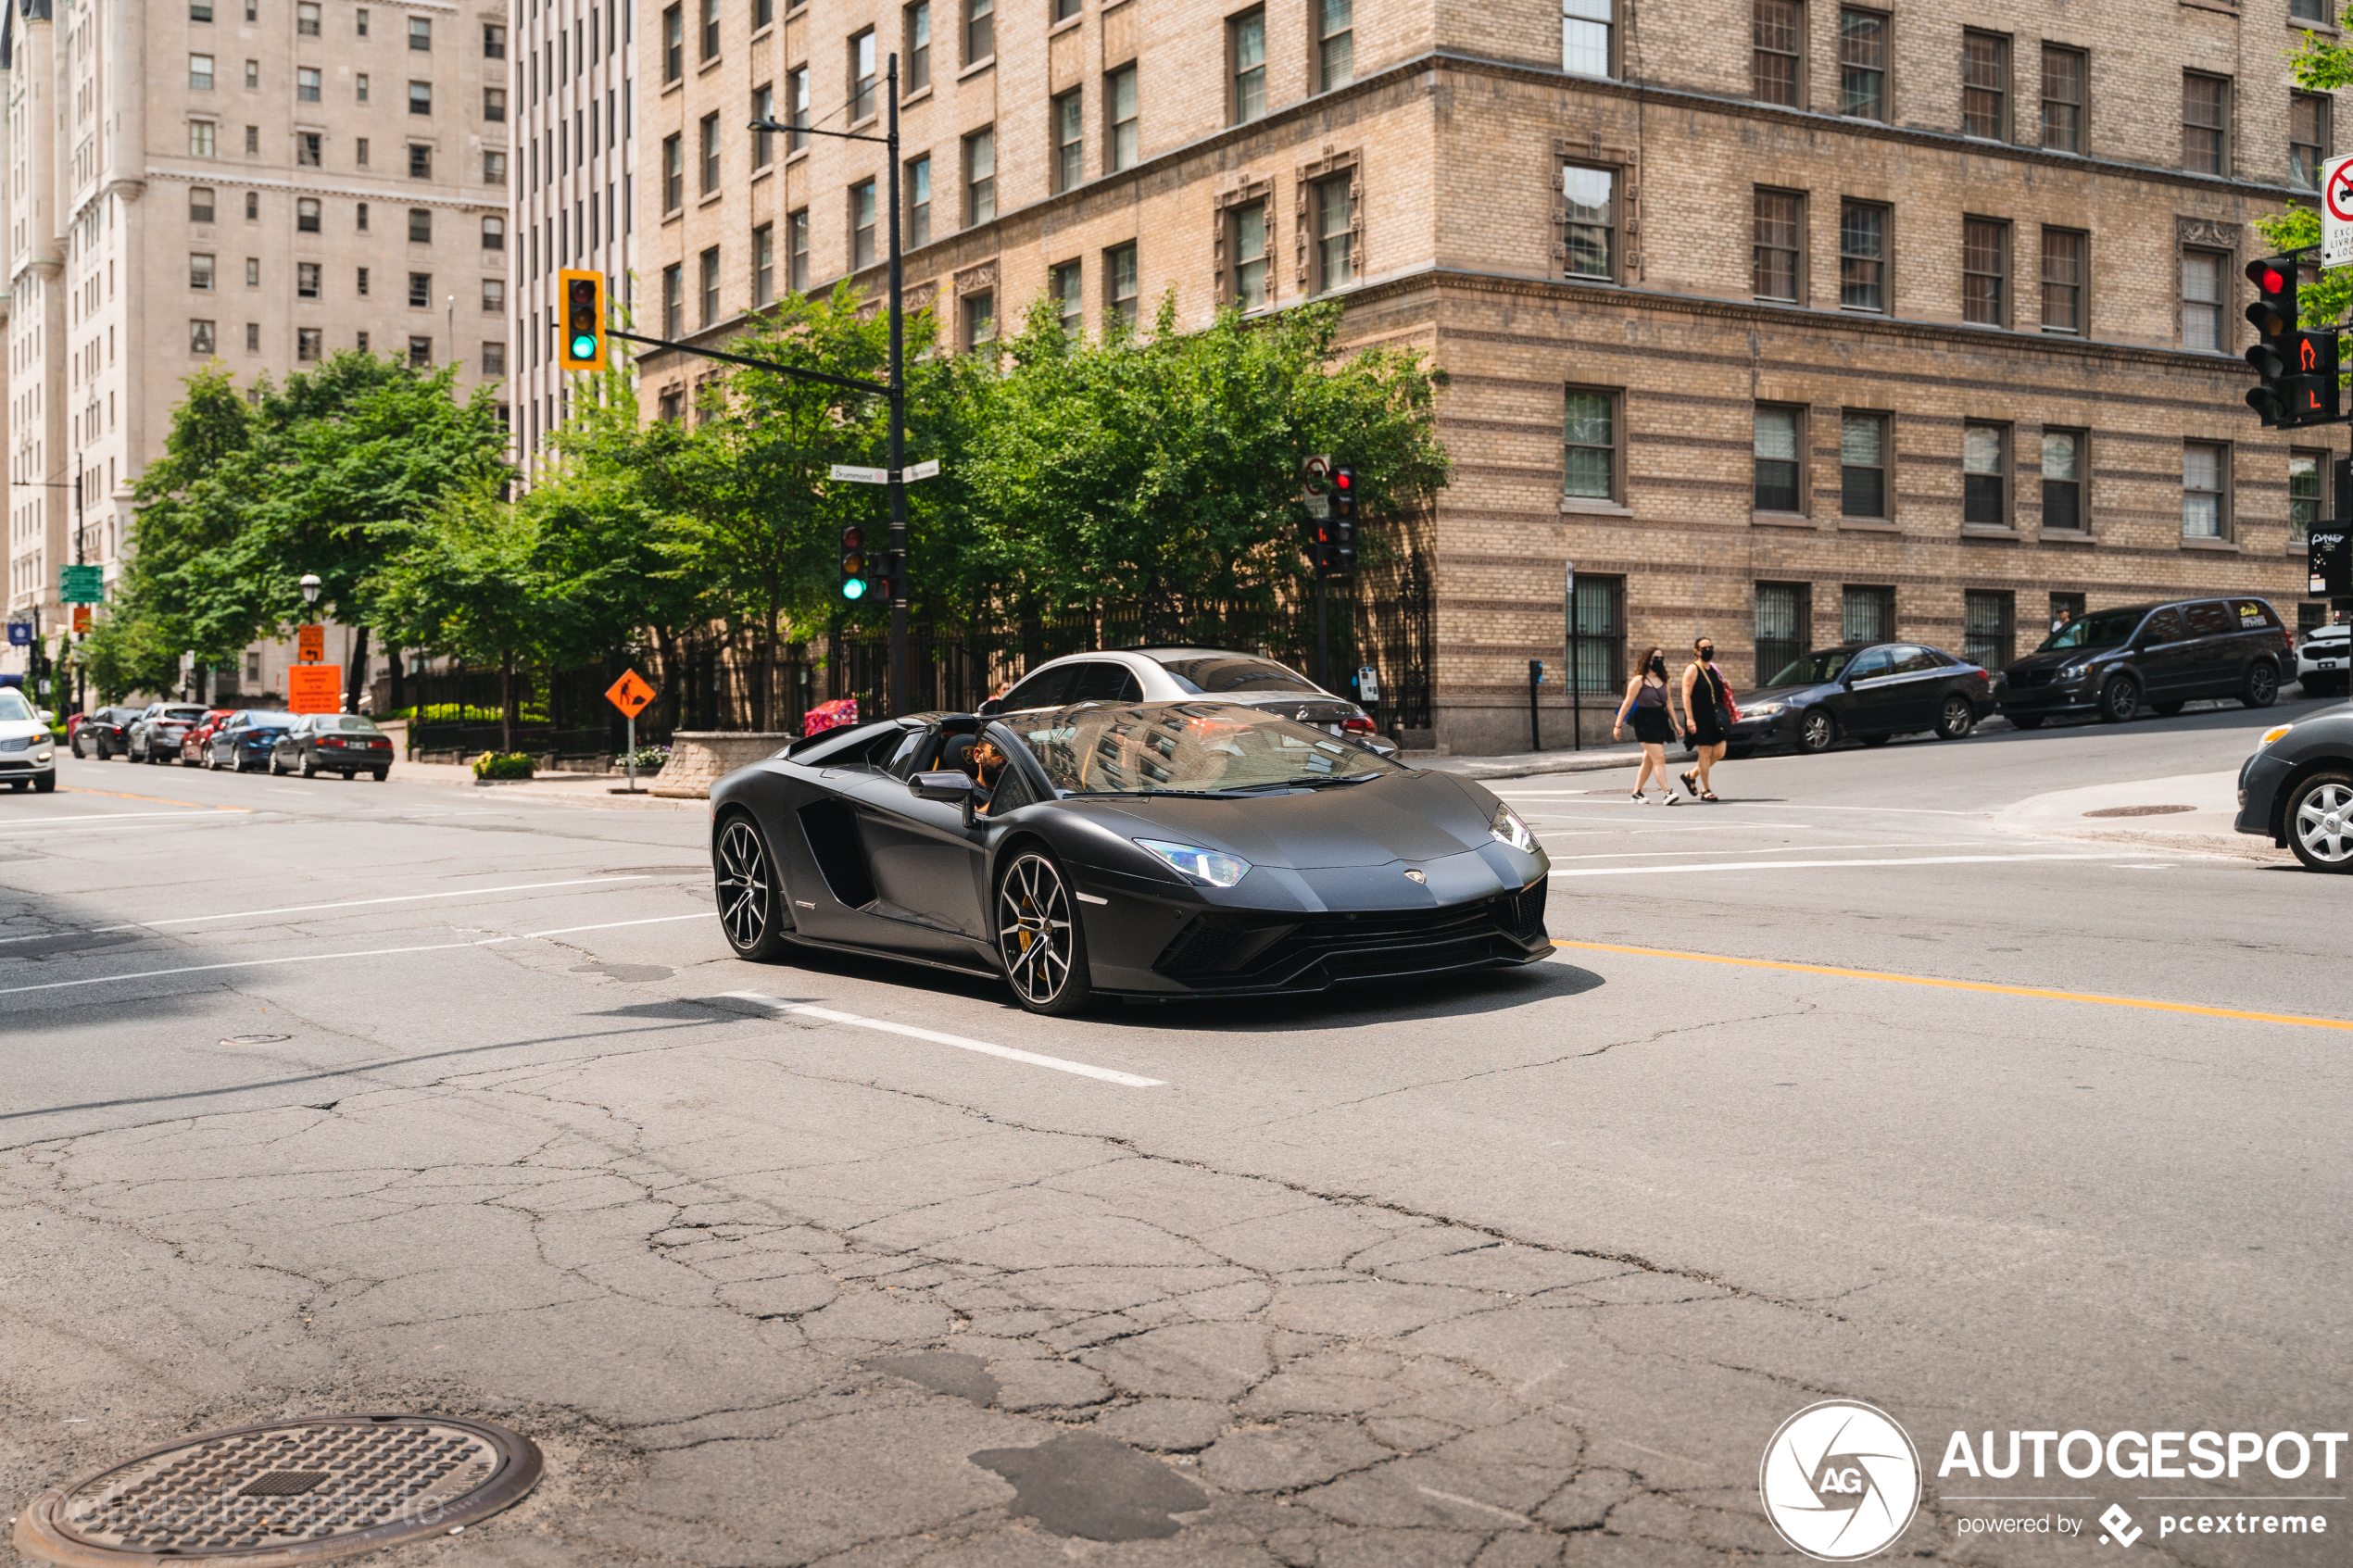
[853, 538]
[2268, 276]
[1343, 479]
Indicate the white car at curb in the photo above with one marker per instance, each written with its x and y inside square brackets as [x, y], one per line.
[27, 752]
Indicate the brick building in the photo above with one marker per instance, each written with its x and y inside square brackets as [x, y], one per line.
[1786, 321]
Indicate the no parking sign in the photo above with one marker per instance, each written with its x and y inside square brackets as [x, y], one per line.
[2336, 212]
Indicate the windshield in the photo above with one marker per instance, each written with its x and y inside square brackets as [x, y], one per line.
[1813, 670]
[181, 715]
[13, 707]
[1187, 747]
[1230, 672]
[269, 721]
[349, 722]
[2105, 629]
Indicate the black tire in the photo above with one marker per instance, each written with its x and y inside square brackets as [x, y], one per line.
[1875, 740]
[75, 745]
[2167, 709]
[99, 745]
[2261, 687]
[1956, 719]
[46, 785]
[307, 767]
[2026, 720]
[2322, 799]
[1040, 942]
[346, 776]
[275, 771]
[379, 772]
[2119, 699]
[751, 896]
[1817, 732]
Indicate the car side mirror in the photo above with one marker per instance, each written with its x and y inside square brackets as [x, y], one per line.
[48, 715]
[990, 708]
[948, 787]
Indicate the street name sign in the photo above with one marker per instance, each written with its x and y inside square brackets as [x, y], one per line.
[927, 469]
[2336, 212]
[857, 475]
[314, 688]
[630, 694]
[83, 584]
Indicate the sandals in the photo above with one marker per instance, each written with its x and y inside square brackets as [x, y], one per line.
[1709, 795]
[1690, 781]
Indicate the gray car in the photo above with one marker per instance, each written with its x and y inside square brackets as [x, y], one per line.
[1179, 674]
[2297, 790]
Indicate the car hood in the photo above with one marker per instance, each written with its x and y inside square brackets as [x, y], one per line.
[1411, 816]
[1784, 694]
[19, 729]
[2058, 657]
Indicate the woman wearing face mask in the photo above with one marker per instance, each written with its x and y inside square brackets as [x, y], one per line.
[1707, 703]
[1646, 700]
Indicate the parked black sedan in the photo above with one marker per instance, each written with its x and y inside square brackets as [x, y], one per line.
[332, 743]
[106, 733]
[2111, 662]
[2297, 790]
[246, 738]
[1150, 849]
[1871, 692]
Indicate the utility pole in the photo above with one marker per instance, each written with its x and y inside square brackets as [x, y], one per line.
[901, 676]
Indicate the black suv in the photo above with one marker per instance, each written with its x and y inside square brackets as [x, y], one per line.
[2112, 660]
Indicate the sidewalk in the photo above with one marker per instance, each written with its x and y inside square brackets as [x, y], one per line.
[1529, 764]
[2183, 811]
[573, 789]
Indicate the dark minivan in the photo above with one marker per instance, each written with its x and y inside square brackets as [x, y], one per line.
[2112, 660]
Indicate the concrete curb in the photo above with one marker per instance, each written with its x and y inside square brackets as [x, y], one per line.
[2205, 828]
[1531, 765]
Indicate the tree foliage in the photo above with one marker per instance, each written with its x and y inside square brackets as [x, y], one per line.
[2319, 64]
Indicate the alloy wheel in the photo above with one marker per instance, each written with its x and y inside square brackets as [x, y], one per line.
[2323, 826]
[1816, 732]
[2262, 686]
[2119, 699]
[1957, 720]
[1034, 929]
[743, 885]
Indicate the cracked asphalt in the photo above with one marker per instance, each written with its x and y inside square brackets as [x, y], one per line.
[323, 1097]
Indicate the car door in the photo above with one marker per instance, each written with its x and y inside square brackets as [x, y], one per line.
[2256, 632]
[1868, 703]
[925, 861]
[2165, 653]
[2213, 669]
[1916, 684]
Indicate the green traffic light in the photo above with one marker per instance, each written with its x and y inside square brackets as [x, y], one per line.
[853, 587]
[584, 347]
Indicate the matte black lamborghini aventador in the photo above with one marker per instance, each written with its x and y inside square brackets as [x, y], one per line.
[1151, 849]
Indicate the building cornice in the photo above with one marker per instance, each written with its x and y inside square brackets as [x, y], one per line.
[392, 196]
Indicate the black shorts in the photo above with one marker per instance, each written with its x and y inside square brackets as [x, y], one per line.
[1652, 725]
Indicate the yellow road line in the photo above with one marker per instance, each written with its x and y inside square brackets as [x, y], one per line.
[1968, 985]
[161, 801]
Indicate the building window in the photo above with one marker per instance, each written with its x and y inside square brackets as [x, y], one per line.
[918, 47]
[360, 151]
[308, 343]
[919, 202]
[307, 150]
[1246, 232]
[1335, 232]
[253, 274]
[421, 225]
[1777, 448]
[673, 406]
[980, 321]
[1868, 614]
[673, 173]
[307, 280]
[493, 295]
[1778, 31]
[1597, 633]
[1985, 272]
[200, 73]
[2206, 117]
[2063, 481]
[2204, 474]
[253, 140]
[1989, 633]
[2202, 299]
[420, 161]
[1246, 66]
[861, 225]
[763, 265]
[200, 135]
[1779, 218]
[980, 177]
[201, 204]
[2303, 494]
[253, 337]
[1120, 282]
[420, 289]
[2307, 138]
[1985, 492]
[797, 108]
[421, 97]
[199, 10]
[1784, 627]
[420, 33]
[1119, 100]
[200, 272]
[1591, 205]
[200, 337]
[673, 44]
[1862, 64]
[1066, 283]
[1985, 86]
[361, 217]
[710, 160]
[1067, 116]
[306, 85]
[359, 19]
[420, 351]
[1589, 459]
[980, 31]
[2063, 274]
[253, 73]
[493, 358]
[1862, 257]
[709, 31]
[1862, 465]
[2063, 72]
[673, 301]
[763, 143]
[709, 267]
[1336, 41]
[797, 251]
[494, 103]
[305, 215]
[494, 42]
[493, 233]
[1586, 37]
[862, 96]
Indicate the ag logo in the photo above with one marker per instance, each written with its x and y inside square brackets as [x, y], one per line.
[1840, 1481]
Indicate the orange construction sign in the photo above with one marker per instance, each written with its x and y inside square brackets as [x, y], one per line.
[310, 646]
[81, 620]
[630, 694]
[314, 688]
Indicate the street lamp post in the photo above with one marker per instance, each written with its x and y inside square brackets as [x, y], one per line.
[310, 594]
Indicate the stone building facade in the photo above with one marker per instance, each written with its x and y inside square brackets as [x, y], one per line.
[256, 183]
[1783, 320]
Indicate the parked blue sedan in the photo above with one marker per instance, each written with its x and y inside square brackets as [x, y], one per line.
[246, 739]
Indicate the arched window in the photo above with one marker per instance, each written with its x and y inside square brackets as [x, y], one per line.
[201, 204]
[493, 233]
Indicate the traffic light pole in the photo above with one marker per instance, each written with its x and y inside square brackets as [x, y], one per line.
[1322, 602]
[901, 677]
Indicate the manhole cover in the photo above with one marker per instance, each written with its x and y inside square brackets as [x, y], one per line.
[289, 1493]
[2140, 810]
[255, 1039]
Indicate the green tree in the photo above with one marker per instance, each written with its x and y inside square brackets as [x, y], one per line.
[2318, 65]
[473, 585]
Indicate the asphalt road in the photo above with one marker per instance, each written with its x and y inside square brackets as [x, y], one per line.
[1523, 1267]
